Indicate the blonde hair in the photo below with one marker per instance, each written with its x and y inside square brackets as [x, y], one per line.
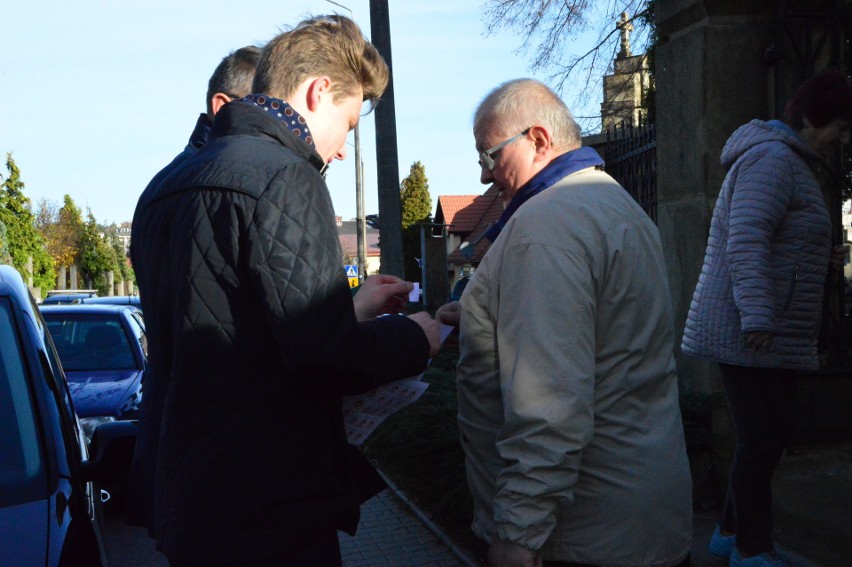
[516, 105]
[330, 45]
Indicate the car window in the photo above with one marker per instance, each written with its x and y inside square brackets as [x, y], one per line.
[140, 331]
[90, 341]
[22, 469]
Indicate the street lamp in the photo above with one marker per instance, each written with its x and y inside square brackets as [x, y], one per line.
[361, 225]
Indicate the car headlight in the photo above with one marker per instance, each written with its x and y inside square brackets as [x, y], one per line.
[89, 424]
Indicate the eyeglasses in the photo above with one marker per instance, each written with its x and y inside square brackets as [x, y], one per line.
[486, 158]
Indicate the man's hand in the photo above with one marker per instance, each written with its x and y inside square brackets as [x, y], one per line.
[381, 295]
[760, 341]
[449, 313]
[430, 327]
[505, 554]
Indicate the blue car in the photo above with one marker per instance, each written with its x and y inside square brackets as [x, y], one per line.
[113, 300]
[65, 298]
[104, 352]
[48, 511]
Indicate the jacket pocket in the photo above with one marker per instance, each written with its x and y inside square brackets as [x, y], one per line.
[792, 290]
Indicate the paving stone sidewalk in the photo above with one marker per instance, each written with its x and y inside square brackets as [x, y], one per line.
[391, 534]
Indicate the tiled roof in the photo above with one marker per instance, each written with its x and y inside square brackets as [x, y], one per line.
[455, 211]
[484, 211]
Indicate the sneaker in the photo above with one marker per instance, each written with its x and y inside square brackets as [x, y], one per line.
[722, 545]
[765, 559]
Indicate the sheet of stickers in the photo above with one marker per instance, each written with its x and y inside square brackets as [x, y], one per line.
[362, 414]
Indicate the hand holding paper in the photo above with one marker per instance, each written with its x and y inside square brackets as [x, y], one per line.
[430, 327]
[449, 313]
[381, 295]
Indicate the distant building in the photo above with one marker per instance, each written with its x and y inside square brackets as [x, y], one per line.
[625, 89]
[123, 234]
[348, 234]
[467, 217]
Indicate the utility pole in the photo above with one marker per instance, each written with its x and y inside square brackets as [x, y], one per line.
[387, 160]
[360, 214]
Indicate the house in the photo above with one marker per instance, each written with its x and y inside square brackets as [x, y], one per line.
[466, 218]
[347, 232]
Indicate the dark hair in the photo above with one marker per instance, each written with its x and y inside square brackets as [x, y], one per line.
[234, 75]
[821, 99]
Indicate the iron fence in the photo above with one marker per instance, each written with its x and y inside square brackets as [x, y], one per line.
[631, 159]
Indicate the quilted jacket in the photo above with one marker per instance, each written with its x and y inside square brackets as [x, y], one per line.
[254, 339]
[139, 509]
[767, 254]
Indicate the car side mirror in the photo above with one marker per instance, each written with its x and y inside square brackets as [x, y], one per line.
[111, 452]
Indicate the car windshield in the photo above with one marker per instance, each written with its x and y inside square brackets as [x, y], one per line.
[21, 461]
[90, 341]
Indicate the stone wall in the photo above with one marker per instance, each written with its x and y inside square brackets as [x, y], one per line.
[711, 77]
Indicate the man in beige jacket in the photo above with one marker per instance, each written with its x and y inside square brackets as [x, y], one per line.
[568, 400]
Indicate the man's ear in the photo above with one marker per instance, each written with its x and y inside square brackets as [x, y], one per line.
[543, 142]
[218, 101]
[318, 89]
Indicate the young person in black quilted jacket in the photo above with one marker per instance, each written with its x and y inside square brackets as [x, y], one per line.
[251, 324]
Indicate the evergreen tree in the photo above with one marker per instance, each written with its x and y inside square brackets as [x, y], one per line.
[20, 239]
[414, 196]
[123, 271]
[5, 255]
[416, 204]
[96, 256]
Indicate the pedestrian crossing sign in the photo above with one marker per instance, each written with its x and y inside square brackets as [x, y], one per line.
[352, 274]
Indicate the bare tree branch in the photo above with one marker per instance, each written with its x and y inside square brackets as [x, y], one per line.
[549, 29]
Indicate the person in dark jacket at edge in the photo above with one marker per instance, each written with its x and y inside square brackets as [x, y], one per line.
[250, 319]
[231, 80]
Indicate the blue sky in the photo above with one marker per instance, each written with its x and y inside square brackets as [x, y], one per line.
[97, 96]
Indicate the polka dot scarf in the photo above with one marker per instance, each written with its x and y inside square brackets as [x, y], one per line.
[285, 113]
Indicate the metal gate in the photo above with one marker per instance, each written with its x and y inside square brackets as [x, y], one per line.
[631, 159]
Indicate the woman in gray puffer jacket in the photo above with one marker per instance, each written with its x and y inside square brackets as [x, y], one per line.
[756, 308]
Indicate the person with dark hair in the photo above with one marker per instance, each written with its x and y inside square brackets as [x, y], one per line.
[756, 309]
[231, 80]
[251, 325]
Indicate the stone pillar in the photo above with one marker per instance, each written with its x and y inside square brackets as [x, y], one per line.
[62, 278]
[623, 92]
[73, 277]
[110, 282]
[128, 287]
[711, 77]
[29, 269]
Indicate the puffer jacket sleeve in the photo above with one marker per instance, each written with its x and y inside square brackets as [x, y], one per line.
[761, 195]
[295, 261]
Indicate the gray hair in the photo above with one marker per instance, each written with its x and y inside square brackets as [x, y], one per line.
[518, 104]
[234, 75]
